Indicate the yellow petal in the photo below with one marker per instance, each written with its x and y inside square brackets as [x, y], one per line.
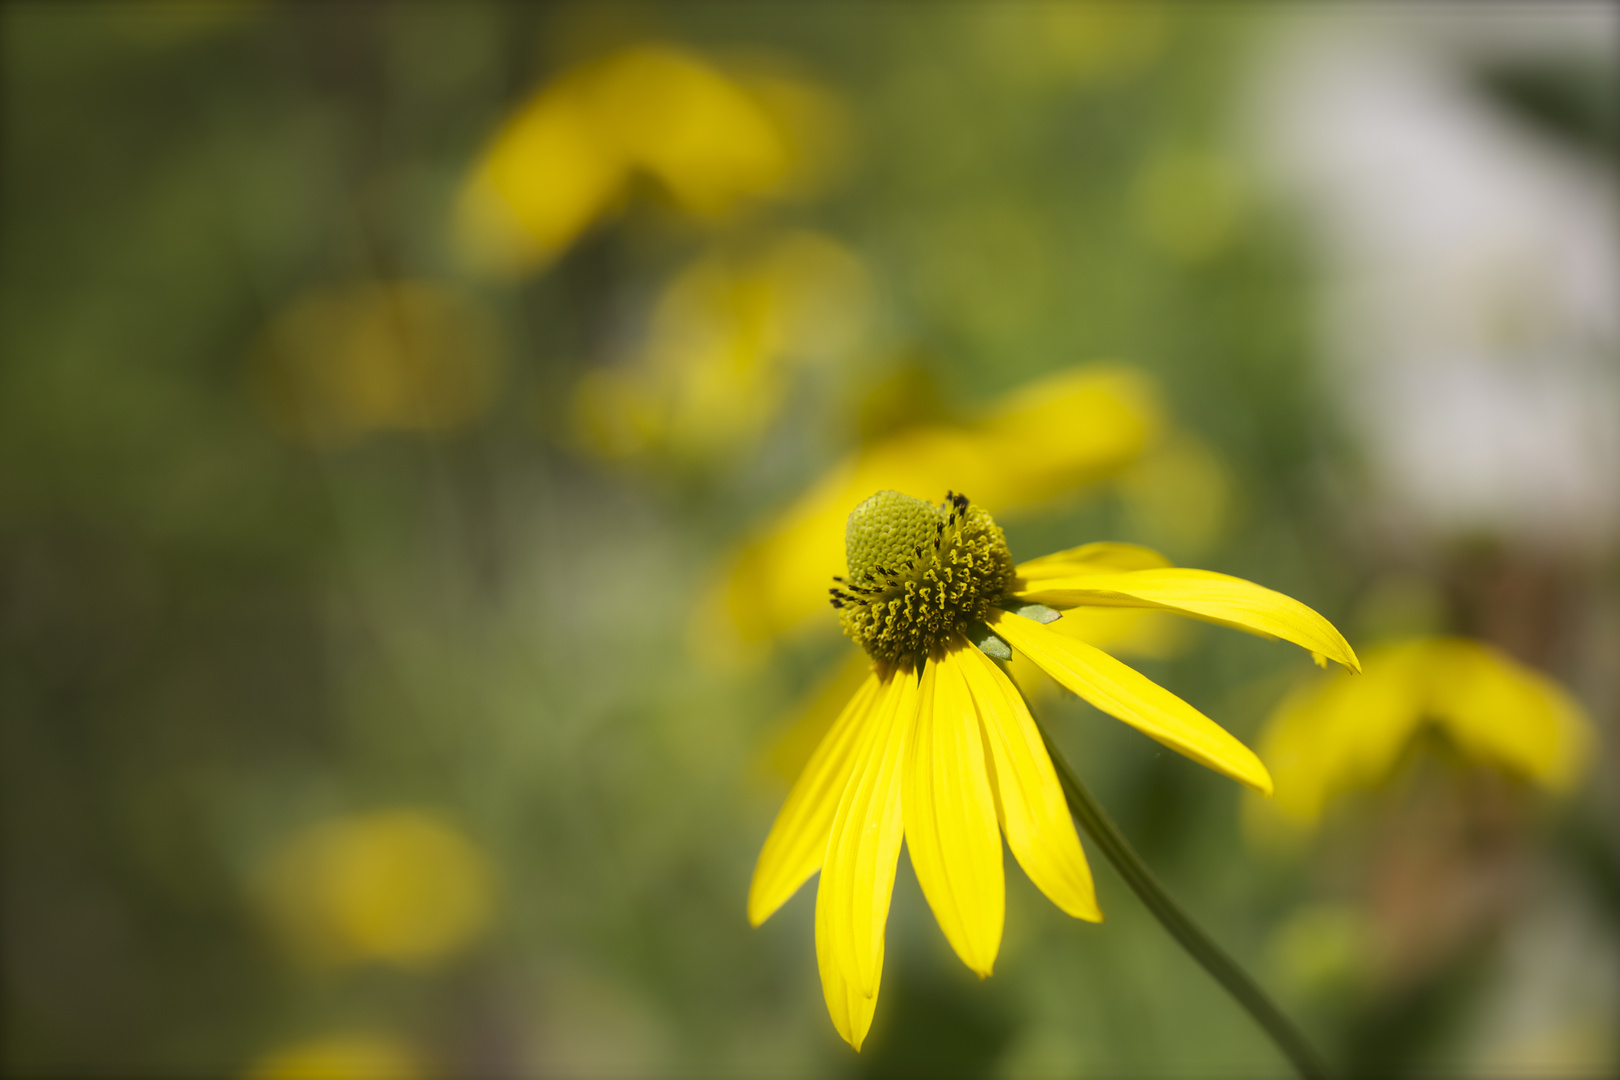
[857, 876]
[950, 817]
[851, 1010]
[1498, 710]
[1125, 693]
[1202, 594]
[1096, 558]
[798, 840]
[1339, 732]
[1029, 800]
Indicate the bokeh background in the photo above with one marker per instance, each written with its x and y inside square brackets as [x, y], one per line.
[421, 428]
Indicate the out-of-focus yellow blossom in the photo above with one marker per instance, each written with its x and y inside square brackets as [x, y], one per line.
[1334, 734]
[1042, 440]
[570, 154]
[724, 341]
[395, 886]
[340, 1057]
[1188, 202]
[377, 356]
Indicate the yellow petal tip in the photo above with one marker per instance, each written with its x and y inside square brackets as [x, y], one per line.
[758, 911]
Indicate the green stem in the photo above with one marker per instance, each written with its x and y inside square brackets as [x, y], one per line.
[1237, 982]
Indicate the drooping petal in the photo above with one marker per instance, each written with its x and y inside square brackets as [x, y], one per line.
[1498, 710]
[1124, 693]
[1203, 594]
[798, 840]
[857, 876]
[950, 816]
[1029, 800]
[1337, 732]
[851, 1010]
[800, 733]
[1102, 557]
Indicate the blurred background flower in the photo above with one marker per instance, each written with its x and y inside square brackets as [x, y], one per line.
[385, 356]
[398, 887]
[342, 1057]
[724, 339]
[570, 155]
[1336, 734]
[426, 435]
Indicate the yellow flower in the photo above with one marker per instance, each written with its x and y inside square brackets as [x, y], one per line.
[398, 886]
[570, 154]
[1040, 441]
[340, 1057]
[1335, 734]
[937, 747]
[344, 361]
[725, 338]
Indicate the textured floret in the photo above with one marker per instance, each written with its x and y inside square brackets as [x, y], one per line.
[918, 572]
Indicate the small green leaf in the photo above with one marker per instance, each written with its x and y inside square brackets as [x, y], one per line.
[985, 638]
[1039, 612]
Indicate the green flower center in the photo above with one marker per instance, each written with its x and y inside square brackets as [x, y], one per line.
[918, 572]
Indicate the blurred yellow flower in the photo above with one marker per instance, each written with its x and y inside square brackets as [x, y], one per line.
[376, 356]
[569, 155]
[1042, 440]
[724, 341]
[395, 886]
[937, 747]
[340, 1057]
[1334, 734]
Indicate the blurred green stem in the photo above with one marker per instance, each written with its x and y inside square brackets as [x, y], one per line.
[1237, 982]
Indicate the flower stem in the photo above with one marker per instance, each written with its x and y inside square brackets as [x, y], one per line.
[1214, 959]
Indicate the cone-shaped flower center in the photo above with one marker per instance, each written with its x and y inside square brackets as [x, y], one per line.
[918, 572]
